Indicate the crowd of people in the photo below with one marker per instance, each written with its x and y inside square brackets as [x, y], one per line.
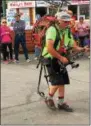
[6, 40]
[80, 31]
[79, 39]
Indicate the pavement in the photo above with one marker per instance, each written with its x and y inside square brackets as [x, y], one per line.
[21, 105]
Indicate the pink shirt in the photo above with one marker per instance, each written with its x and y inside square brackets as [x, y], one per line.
[82, 31]
[5, 34]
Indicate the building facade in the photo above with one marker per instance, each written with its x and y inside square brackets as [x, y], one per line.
[40, 8]
[80, 8]
[33, 10]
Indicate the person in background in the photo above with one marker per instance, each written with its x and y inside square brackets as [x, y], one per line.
[6, 41]
[38, 16]
[72, 22]
[73, 26]
[19, 30]
[87, 43]
[37, 49]
[82, 27]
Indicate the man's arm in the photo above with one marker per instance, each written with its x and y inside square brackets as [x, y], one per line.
[14, 27]
[23, 25]
[51, 49]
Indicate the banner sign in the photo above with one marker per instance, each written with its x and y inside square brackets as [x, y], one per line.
[77, 2]
[21, 4]
[42, 4]
[10, 16]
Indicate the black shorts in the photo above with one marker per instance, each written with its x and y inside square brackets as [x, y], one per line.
[57, 77]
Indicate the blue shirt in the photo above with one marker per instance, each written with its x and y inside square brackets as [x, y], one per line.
[19, 27]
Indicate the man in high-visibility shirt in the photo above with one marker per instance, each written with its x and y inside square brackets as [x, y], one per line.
[50, 53]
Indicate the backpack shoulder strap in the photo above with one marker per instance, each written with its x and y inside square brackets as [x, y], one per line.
[57, 37]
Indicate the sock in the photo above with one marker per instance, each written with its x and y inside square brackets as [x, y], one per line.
[50, 96]
[60, 100]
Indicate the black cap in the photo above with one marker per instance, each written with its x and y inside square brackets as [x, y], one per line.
[17, 14]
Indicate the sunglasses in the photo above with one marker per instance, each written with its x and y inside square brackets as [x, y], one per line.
[4, 22]
[66, 21]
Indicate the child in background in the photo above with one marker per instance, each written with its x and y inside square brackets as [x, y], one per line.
[37, 46]
[37, 51]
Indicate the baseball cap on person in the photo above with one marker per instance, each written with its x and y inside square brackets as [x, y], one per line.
[17, 14]
[63, 15]
[81, 17]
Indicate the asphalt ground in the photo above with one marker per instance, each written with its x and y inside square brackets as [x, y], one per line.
[21, 105]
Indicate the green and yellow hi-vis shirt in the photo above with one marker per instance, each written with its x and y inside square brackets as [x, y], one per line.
[51, 35]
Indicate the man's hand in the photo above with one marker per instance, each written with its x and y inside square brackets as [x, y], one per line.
[83, 49]
[77, 48]
[64, 60]
[87, 49]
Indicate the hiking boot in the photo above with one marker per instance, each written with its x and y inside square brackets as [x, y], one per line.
[50, 103]
[65, 107]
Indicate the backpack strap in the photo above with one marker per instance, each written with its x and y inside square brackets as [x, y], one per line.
[56, 41]
[57, 37]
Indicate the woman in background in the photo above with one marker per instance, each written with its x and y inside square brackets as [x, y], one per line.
[6, 41]
[82, 27]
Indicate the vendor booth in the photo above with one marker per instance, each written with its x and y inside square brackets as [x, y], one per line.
[27, 10]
